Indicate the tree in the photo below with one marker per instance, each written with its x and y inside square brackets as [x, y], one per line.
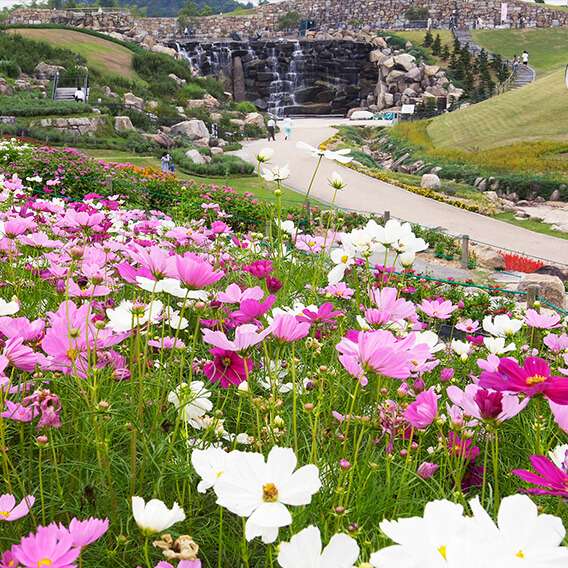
[428, 39]
[445, 53]
[289, 20]
[190, 10]
[437, 45]
[207, 11]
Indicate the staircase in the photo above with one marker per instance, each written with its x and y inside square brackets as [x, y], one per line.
[524, 75]
[68, 94]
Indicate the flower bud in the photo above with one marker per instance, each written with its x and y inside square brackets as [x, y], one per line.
[344, 464]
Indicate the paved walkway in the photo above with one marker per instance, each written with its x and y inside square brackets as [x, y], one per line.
[365, 194]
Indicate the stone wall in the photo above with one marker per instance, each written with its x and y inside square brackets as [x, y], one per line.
[378, 14]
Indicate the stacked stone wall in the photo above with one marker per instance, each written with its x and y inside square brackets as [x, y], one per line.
[377, 14]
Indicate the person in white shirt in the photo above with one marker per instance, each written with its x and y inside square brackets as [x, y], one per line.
[525, 58]
[79, 95]
[271, 125]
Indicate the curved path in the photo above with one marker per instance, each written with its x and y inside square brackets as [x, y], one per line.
[365, 194]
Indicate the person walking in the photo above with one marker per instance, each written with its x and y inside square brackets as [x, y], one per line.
[287, 127]
[79, 95]
[525, 58]
[271, 125]
[515, 63]
[165, 162]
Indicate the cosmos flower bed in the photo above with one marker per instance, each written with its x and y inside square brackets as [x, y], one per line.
[174, 394]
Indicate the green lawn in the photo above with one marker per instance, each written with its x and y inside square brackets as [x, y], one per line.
[538, 111]
[547, 47]
[537, 227]
[290, 198]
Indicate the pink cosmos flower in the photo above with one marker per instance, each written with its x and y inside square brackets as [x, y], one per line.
[21, 327]
[86, 532]
[16, 411]
[541, 321]
[21, 356]
[377, 351]
[424, 410]
[234, 295]
[462, 447]
[325, 314]
[182, 564]
[273, 284]
[158, 261]
[426, 470]
[468, 326]
[80, 219]
[438, 308]
[50, 546]
[9, 511]
[167, 342]
[387, 301]
[246, 336]
[227, 367]
[196, 273]
[554, 342]
[39, 241]
[48, 404]
[340, 290]
[491, 364]
[286, 328]
[552, 478]
[532, 379]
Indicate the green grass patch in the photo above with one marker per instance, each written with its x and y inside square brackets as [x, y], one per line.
[538, 111]
[536, 226]
[547, 47]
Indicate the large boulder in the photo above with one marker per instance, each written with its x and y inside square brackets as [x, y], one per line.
[48, 70]
[161, 139]
[405, 60]
[255, 118]
[159, 48]
[211, 102]
[551, 288]
[395, 76]
[122, 123]
[193, 129]
[360, 115]
[131, 100]
[430, 181]
[180, 82]
[195, 156]
[489, 258]
[5, 88]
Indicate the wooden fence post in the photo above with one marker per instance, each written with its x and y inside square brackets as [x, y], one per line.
[533, 290]
[386, 216]
[108, 180]
[465, 251]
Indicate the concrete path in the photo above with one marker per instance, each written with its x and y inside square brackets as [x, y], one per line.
[365, 194]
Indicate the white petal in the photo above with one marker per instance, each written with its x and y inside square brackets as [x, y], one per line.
[341, 552]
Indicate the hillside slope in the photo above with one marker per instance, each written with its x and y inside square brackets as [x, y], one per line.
[538, 111]
[105, 56]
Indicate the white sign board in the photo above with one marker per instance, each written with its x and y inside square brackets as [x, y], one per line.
[407, 109]
[504, 15]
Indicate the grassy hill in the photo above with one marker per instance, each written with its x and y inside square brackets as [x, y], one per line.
[535, 112]
[105, 56]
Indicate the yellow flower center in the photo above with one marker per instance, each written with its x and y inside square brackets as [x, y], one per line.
[45, 562]
[226, 361]
[5, 514]
[269, 493]
[311, 243]
[220, 474]
[344, 258]
[520, 554]
[72, 354]
[442, 551]
[535, 380]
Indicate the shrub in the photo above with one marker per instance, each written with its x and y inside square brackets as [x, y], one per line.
[9, 69]
[245, 107]
[220, 166]
[191, 91]
[40, 107]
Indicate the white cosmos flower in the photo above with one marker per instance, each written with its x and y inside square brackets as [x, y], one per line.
[154, 517]
[461, 348]
[502, 325]
[522, 536]
[9, 308]
[392, 232]
[560, 457]
[127, 315]
[343, 258]
[193, 399]
[337, 155]
[407, 259]
[304, 549]
[211, 464]
[277, 173]
[496, 345]
[264, 155]
[410, 244]
[421, 541]
[336, 181]
[261, 490]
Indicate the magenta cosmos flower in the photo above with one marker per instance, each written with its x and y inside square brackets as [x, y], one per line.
[86, 532]
[551, 477]
[423, 411]
[532, 379]
[9, 511]
[227, 367]
[325, 314]
[50, 546]
[286, 328]
[246, 336]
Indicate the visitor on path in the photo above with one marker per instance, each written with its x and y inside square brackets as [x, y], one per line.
[452, 23]
[186, 32]
[522, 22]
[165, 161]
[271, 125]
[479, 23]
[525, 57]
[515, 63]
[287, 127]
[79, 95]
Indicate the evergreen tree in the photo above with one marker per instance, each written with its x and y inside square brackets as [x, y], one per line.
[437, 45]
[445, 52]
[428, 39]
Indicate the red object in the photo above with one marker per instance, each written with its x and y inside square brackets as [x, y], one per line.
[520, 263]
